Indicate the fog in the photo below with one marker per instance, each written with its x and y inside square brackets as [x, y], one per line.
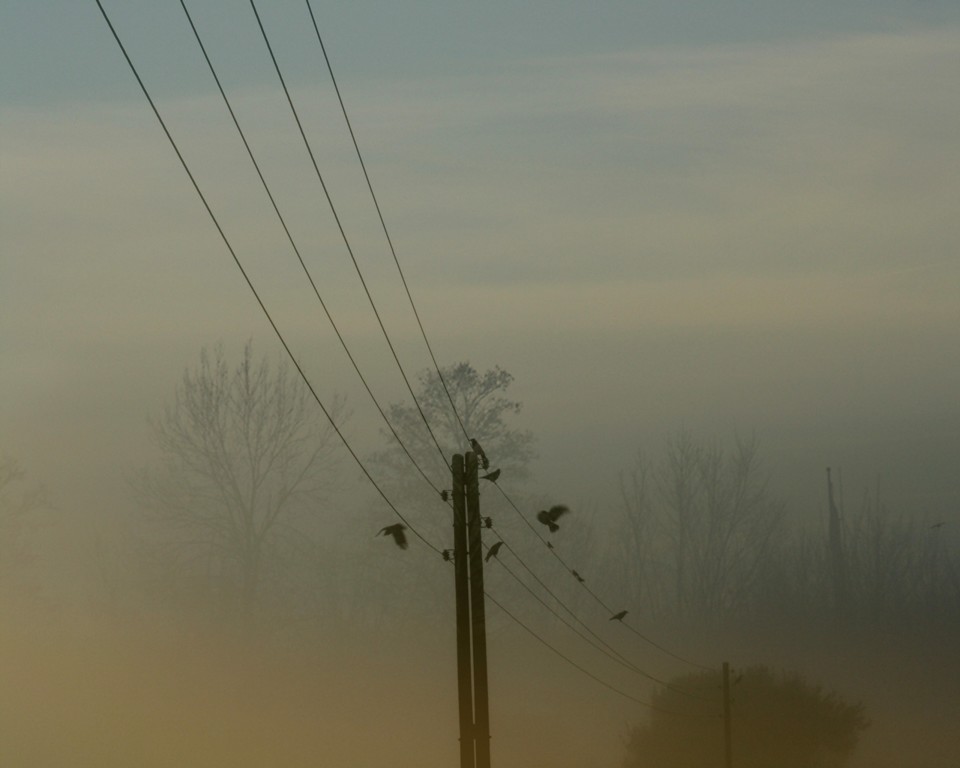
[704, 226]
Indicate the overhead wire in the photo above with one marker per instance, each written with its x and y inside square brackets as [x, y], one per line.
[251, 286]
[552, 550]
[386, 335]
[296, 249]
[584, 670]
[383, 223]
[343, 233]
[598, 642]
[429, 347]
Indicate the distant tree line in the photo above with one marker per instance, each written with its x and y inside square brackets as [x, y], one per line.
[700, 534]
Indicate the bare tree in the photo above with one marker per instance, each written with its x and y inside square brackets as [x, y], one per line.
[18, 505]
[702, 524]
[244, 453]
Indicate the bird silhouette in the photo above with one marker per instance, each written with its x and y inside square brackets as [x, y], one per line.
[477, 449]
[487, 522]
[578, 577]
[492, 552]
[447, 555]
[445, 495]
[549, 517]
[491, 476]
[618, 616]
[549, 545]
[397, 532]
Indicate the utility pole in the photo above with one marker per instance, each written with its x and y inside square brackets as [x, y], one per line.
[471, 615]
[461, 585]
[727, 744]
[478, 619]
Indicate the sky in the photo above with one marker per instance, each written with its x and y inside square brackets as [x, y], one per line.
[731, 217]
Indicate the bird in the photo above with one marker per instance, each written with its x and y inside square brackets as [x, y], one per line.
[549, 545]
[549, 517]
[937, 525]
[477, 449]
[578, 577]
[487, 522]
[447, 555]
[445, 495]
[492, 552]
[397, 532]
[491, 476]
[618, 616]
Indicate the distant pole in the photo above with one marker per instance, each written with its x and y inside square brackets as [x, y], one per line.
[464, 677]
[727, 745]
[481, 708]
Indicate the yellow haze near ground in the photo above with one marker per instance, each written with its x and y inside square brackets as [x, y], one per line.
[138, 696]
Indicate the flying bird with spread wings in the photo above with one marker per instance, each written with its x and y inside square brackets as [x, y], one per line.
[397, 532]
[550, 516]
[618, 616]
[491, 476]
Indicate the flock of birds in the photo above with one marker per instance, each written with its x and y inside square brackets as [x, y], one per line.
[546, 517]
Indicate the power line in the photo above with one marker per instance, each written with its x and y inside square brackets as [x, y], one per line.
[250, 285]
[589, 591]
[343, 233]
[413, 306]
[296, 250]
[582, 669]
[426, 340]
[383, 223]
[598, 643]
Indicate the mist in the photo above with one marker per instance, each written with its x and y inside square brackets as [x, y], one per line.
[675, 262]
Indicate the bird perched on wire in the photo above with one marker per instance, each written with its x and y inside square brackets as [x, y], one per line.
[492, 552]
[618, 616]
[550, 516]
[397, 532]
[477, 449]
[445, 495]
[578, 577]
[447, 555]
[491, 476]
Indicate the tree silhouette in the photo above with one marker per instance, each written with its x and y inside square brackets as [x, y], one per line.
[483, 408]
[777, 720]
[19, 504]
[244, 452]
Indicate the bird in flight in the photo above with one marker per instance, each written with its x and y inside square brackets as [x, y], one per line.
[578, 577]
[477, 449]
[491, 476]
[397, 532]
[618, 616]
[549, 517]
[492, 552]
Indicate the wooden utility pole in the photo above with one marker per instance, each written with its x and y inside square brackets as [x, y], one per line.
[461, 585]
[471, 615]
[478, 619]
[727, 744]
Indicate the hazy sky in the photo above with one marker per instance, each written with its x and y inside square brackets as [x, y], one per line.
[734, 217]
[729, 216]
